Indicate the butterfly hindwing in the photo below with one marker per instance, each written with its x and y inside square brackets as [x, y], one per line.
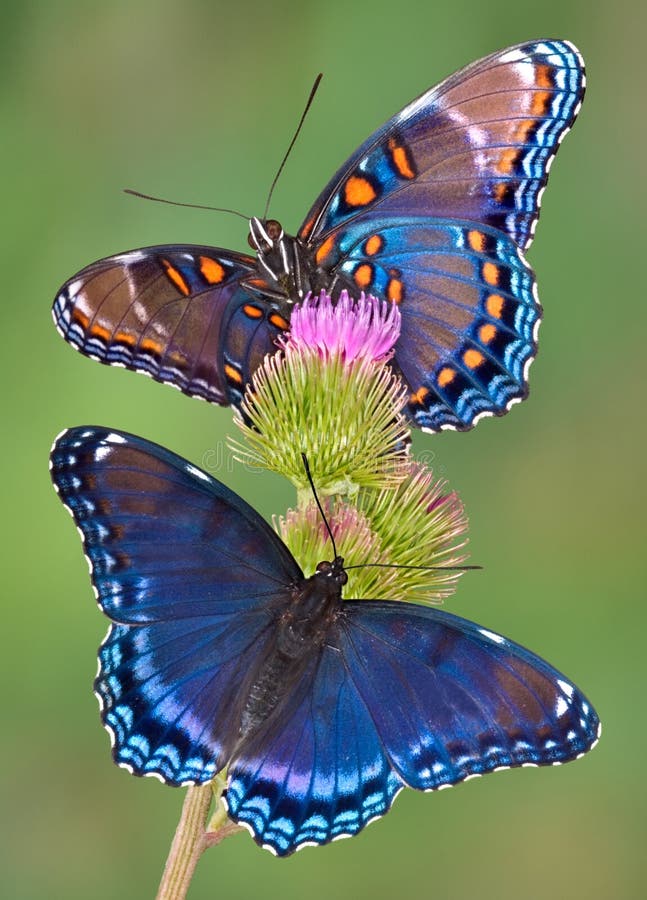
[400, 695]
[469, 311]
[192, 577]
[178, 313]
[319, 772]
[477, 147]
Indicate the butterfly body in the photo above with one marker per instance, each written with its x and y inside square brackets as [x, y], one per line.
[433, 212]
[300, 632]
[287, 269]
[221, 653]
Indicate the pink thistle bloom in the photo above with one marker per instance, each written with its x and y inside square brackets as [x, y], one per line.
[365, 329]
[443, 498]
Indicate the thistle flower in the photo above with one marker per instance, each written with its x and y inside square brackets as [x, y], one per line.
[328, 394]
[418, 524]
[305, 533]
[364, 329]
[413, 524]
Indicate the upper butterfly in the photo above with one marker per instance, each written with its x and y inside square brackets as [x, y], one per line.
[433, 212]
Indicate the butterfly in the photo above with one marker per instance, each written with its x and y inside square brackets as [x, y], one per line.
[221, 653]
[433, 212]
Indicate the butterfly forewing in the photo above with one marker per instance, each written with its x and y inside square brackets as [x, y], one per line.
[477, 147]
[454, 699]
[194, 578]
[178, 313]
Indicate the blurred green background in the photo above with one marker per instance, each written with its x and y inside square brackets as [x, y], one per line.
[197, 100]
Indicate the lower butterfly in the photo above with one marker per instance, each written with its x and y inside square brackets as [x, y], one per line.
[222, 654]
[434, 212]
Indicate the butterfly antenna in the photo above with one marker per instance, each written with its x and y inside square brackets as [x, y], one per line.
[424, 568]
[314, 492]
[313, 91]
[139, 194]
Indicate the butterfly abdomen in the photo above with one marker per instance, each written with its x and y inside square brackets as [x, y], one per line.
[300, 633]
[265, 692]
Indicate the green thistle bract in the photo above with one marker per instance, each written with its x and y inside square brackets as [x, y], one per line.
[418, 525]
[414, 524]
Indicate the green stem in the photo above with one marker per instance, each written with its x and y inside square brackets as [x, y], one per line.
[188, 844]
[193, 836]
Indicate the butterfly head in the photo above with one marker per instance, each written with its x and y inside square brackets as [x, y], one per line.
[264, 234]
[279, 265]
[333, 571]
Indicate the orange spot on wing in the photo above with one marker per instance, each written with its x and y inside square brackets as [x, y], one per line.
[507, 160]
[491, 273]
[176, 277]
[257, 282]
[122, 337]
[523, 128]
[543, 76]
[307, 227]
[501, 191]
[494, 305]
[150, 346]
[540, 101]
[363, 275]
[473, 358]
[100, 332]
[359, 191]
[476, 240]
[401, 159]
[445, 376]
[178, 359]
[252, 312]
[325, 249]
[487, 333]
[395, 290]
[213, 272]
[279, 322]
[419, 397]
[81, 318]
[373, 245]
[233, 374]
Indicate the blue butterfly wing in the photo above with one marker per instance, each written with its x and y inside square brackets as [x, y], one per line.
[469, 308]
[193, 579]
[179, 313]
[451, 699]
[400, 695]
[318, 770]
[477, 147]
[433, 211]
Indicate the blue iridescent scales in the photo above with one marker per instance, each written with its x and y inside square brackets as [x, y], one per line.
[222, 654]
[434, 212]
